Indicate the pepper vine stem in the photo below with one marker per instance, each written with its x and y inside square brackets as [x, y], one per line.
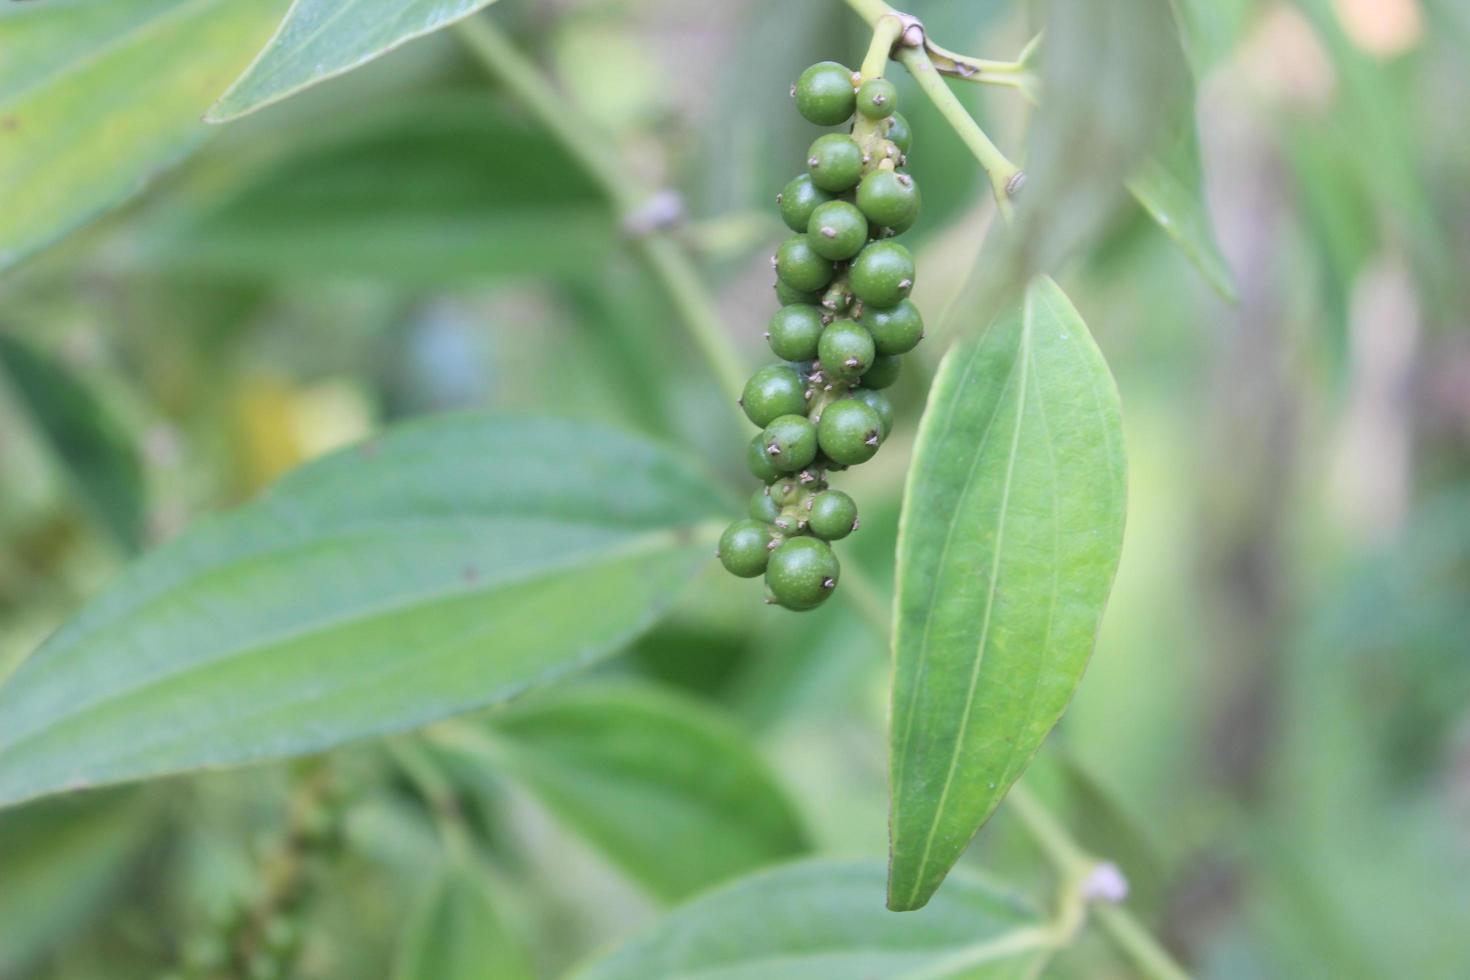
[658, 250]
[914, 54]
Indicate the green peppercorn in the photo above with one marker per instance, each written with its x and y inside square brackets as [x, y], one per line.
[773, 391]
[791, 442]
[879, 403]
[787, 296]
[763, 506]
[833, 515]
[882, 373]
[786, 492]
[793, 332]
[835, 162]
[889, 199]
[898, 132]
[877, 98]
[824, 94]
[802, 573]
[800, 267]
[798, 200]
[838, 230]
[882, 274]
[837, 298]
[896, 330]
[845, 350]
[849, 431]
[758, 461]
[743, 549]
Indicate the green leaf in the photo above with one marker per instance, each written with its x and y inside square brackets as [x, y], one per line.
[1011, 531]
[457, 933]
[818, 920]
[1170, 186]
[60, 861]
[1176, 204]
[419, 191]
[670, 790]
[453, 563]
[97, 98]
[99, 458]
[320, 39]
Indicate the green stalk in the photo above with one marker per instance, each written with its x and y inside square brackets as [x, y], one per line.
[664, 258]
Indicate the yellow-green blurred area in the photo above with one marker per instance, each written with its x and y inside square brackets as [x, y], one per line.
[1273, 739]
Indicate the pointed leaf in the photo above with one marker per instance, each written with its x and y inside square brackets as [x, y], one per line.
[457, 933]
[1011, 531]
[99, 97]
[451, 564]
[818, 920]
[320, 39]
[100, 460]
[668, 789]
[1173, 197]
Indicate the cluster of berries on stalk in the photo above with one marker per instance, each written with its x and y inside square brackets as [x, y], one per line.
[844, 322]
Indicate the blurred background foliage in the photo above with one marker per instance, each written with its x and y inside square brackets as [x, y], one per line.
[1273, 739]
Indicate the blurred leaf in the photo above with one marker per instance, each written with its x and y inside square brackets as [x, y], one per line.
[668, 789]
[320, 39]
[97, 98]
[451, 564]
[1011, 533]
[1173, 197]
[58, 861]
[456, 933]
[99, 458]
[820, 920]
[429, 189]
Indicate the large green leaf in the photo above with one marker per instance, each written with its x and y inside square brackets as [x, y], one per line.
[59, 860]
[667, 788]
[323, 38]
[1011, 531]
[418, 190]
[457, 933]
[450, 564]
[819, 920]
[96, 98]
[100, 460]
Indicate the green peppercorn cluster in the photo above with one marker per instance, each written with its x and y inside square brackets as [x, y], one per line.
[844, 322]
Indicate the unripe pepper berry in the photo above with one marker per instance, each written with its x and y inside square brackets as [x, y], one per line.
[793, 332]
[773, 391]
[802, 573]
[898, 132]
[879, 403]
[835, 162]
[824, 94]
[896, 330]
[882, 373]
[758, 461]
[889, 199]
[877, 98]
[833, 515]
[791, 442]
[763, 506]
[845, 349]
[882, 274]
[787, 296]
[838, 230]
[850, 431]
[786, 492]
[743, 549]
[798, 200]
[800, 267]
